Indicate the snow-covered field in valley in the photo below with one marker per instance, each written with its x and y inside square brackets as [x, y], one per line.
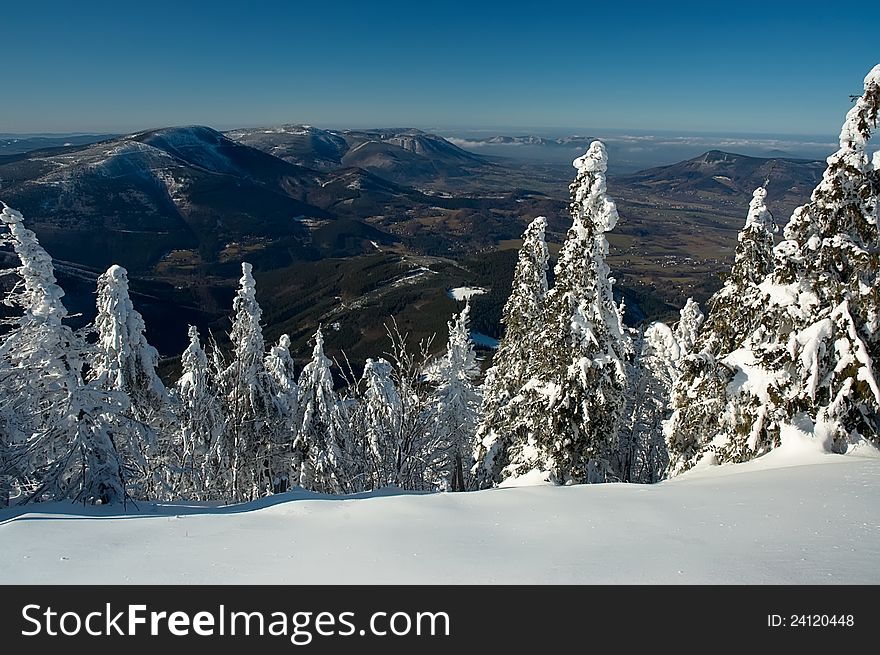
[789, 517]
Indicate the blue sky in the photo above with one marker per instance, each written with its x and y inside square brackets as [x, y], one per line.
[770, 67]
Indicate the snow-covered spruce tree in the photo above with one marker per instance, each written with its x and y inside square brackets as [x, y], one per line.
[807, 367]
[319, 448]
[500, 423]
[819, 335]
[734, 311]
[199, 423]
[280, 366]
[698, 401]
[125, 363]
[59, 432]
[699, 396]
[217, 465]
[250, 435]
[573, 406]
[455, 405]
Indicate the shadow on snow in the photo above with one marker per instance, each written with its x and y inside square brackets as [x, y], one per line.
[60, 511]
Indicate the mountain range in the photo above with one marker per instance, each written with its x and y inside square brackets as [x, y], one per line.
[724, 178]
[573, 141]
[11, 144]
[406, 156]
[346, 228]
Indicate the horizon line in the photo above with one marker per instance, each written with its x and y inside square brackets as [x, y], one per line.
[501, 130]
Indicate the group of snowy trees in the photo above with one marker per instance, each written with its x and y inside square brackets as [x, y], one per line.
[572, 396]
[86, 417]
[785, 352]
[787, 349]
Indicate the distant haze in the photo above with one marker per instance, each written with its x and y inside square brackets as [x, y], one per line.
[633, 150]
[629, 150]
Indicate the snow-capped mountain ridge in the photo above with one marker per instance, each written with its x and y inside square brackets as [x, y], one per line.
[402, 155]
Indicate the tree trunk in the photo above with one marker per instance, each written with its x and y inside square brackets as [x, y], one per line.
[458, 474]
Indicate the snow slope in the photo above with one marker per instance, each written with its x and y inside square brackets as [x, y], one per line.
[463, 293]
[797, 516]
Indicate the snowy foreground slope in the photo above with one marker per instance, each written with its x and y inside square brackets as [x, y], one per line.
[790, 517]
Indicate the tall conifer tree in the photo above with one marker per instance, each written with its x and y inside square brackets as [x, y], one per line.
[60, 430]
[501, 423]
[575, 403]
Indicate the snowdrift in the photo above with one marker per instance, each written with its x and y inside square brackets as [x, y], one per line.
[794, 516]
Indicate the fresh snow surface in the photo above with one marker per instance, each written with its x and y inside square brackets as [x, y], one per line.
[793, 516]
[463, 293]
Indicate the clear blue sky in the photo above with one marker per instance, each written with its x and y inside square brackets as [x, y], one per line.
[769, 67]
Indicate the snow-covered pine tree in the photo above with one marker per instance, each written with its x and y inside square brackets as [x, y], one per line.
[574, 404]
[807, 367]
[658, 363]
[690, 320]
[125, 363]
[455, 405]
[415, 447]
[250, 402]
[319, 449]
[628, 439]
[500, 423]
[199, 423]
[382, 411]
[280, 366]
[660, 351]
[59, 437]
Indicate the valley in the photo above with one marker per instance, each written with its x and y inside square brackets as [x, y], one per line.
[348, 228]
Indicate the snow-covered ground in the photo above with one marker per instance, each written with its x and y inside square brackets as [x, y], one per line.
[796, 516]
[463, 293]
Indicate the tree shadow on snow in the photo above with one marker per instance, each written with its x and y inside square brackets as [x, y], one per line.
[71, 511]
